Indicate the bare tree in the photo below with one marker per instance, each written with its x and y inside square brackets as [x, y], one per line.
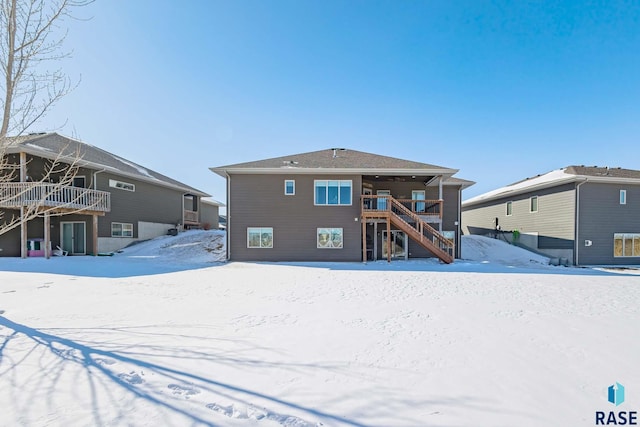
[32, 36]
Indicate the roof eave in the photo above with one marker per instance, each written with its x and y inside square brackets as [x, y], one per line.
[515, 192]
[224, 171]
[91, 165]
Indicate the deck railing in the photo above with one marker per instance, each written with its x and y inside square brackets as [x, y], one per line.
[18, 194]
[430, 208]
[409, 221]
[190, 217]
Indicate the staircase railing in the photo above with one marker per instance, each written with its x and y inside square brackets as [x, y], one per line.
[414, 225]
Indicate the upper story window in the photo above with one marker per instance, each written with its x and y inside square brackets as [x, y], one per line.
[533, 204]
[122, 185]
[509, 208]
[623, 197]
[333, 192]
[79, 181]
[289, 187]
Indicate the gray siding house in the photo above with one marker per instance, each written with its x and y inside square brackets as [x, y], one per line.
[585, 215]
[341, 205]
[110, 203]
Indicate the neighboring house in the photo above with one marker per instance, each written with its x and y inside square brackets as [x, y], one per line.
[585, 215]
[222, 222]
[111, 203]
[341, 205]
[210, 214]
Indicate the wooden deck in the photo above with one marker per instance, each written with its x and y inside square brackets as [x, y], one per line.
[408, 216]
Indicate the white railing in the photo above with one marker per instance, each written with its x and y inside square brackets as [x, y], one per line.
[17, 194]
[190, 216]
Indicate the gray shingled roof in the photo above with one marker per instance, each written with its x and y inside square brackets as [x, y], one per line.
[343, 159]
[559, 177]
[603, 171]
[50, 145]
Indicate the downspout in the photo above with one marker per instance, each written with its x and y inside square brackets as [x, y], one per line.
[459, 228]
[441, 197]
[95, 178]
[228, 230]
[576, 244]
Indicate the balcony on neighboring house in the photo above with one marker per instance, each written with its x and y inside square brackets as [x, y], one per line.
[191, 218]
[14, 195]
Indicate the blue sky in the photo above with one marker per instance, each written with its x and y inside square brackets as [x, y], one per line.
[499, 90]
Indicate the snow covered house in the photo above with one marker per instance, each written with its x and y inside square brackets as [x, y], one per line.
[588, 215]
[341, 205]
[108, 203]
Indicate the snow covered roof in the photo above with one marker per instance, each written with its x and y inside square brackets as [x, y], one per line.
[53, 145]
[559, 177]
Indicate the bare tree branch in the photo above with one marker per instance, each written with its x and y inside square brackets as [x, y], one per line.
[32, 37]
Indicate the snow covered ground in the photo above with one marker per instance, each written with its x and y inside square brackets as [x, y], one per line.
[164, 334]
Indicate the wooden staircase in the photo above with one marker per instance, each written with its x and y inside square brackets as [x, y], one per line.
[412, 224]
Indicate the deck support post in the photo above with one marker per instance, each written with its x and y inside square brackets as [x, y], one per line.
[388, 239]
[47, 235]
[95, 234]
[23, 233]
[364, 239]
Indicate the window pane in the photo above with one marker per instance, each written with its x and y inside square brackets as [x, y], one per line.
[321, 193]
[623, 197]
[636, 245]
[509, 207]
[332, 193]
[324, 237]
[254, 237]
[345, 193]
[336, 237]
[617, 245]
[289, 187]
[266, 239]
[534, 204]
[628, 245]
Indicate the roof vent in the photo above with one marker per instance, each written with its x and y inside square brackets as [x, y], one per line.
[335, 151]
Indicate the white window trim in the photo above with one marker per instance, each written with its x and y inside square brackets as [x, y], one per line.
[122, 228]
[623, 197]
[624, 236]
[340, 181]
[261, 231]
[537, 204]
[331, 229]
[293, 181]
[121, 185]
[509, 204]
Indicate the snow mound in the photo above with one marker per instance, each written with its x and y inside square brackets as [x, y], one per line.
[191, 247]
[487, 250]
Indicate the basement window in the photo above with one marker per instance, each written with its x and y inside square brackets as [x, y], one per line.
[260, 237]
[121, 229]
[330, 238]
[626, 245]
